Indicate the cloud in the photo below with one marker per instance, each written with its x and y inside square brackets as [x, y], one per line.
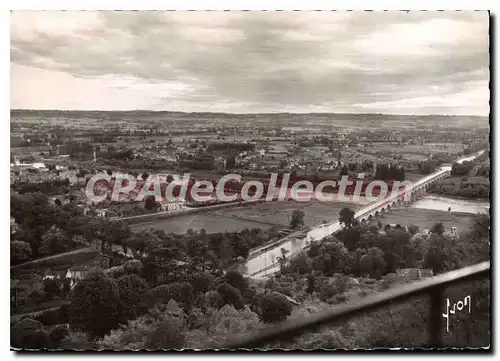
[410, 62]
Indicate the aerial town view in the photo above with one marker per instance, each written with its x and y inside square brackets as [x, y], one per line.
[225, 180]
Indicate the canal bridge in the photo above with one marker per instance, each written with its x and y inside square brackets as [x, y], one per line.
[403, 197]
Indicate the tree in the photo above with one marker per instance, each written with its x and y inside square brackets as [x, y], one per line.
[237, 280]
[481, 226]
[95, 306]
[282, 259]
[181, 292]
[413, 229]
[66, 288]
[310, 283]
[201, 281]
[230, 295]
[351, 238]
[20, 251]
[131, 288]
[57, 334]
[297, 220]
[214, 299]
[301, 264]
[346, 217]
[274, 308]
[150, 204]
[434, 259]
[54, 241]
[51, 289]
[35, 340]
[461, 169]
[438, 228]
[373, 262]
[166, 336]
[134, 266]
[333, 257]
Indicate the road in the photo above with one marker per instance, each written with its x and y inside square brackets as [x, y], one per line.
[55, 256]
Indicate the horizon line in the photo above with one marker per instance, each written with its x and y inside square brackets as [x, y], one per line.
[248, 113]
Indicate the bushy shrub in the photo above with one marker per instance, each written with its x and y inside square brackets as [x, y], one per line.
[133, 266]
[168, 335]
[214, 299]
[50, 318]
[230, 295]
[181, 292]
[77, 340]
[132, 336]
[35, 340]
[115, 272]
[274, 308]
[57, 334]
[201, 282]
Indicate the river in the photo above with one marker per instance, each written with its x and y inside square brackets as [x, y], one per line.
[266, 263]
[457, 205]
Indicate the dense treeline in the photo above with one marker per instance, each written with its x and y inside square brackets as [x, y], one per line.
[45, 228]
[50, 188]
[367, 250]
[200, 161]
[390, 172]
[226, 146]
[466, 187]
[173, 297]
[469, 179]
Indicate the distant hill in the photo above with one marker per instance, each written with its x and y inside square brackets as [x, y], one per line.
[342, 118]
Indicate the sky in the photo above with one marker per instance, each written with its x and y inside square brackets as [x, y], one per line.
[251, 62]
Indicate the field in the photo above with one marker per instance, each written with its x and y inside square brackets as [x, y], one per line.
[211, 223]
[281, 212]
[264, 215]
[426, 218]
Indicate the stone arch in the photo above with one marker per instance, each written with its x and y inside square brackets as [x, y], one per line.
[394, 204]
[363, 220]
[388, 207]
[370, 217]
[377, 213]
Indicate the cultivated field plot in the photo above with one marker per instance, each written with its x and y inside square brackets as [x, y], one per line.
[412, 152]
[209, 222]
[426, 218]
[281, 212]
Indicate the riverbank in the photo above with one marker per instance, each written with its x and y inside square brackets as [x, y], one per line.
[459, 198]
